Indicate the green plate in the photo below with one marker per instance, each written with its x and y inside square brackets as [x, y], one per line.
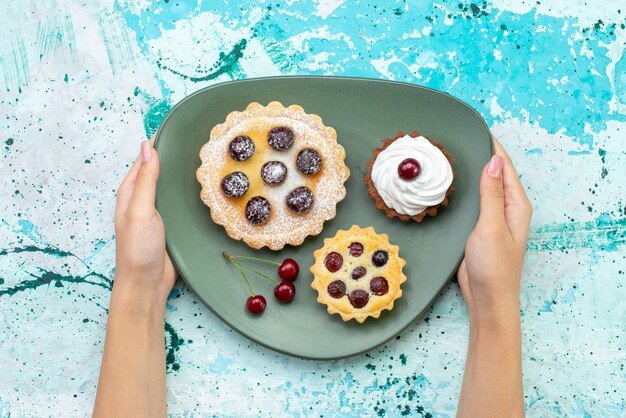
[363, 111]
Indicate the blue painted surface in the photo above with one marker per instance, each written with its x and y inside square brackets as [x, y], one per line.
[81, 84]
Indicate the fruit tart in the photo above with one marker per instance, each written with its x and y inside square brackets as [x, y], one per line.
[272, 175]
[358, 274]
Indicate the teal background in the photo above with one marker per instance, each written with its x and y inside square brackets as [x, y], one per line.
[82, 83]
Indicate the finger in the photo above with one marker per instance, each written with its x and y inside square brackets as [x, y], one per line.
[462, 278]
[144, 193]
[169, 271]
[513, 185]
[462, 269]
[129, 180]
[517, 207]
[492, 194]
[461, 274]
[125, 191]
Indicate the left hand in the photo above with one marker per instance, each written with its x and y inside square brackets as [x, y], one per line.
[142, 262]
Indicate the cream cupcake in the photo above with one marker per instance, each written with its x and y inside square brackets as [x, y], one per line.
[410, 176]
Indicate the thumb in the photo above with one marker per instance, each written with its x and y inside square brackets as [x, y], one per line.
[145, 184]
[492, 192]
[463, 280]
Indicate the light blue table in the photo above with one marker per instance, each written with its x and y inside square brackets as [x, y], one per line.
[83, 82]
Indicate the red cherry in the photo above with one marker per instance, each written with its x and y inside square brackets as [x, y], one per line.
[333, 262]
[356, 249]
[256, 304]
[358, 272]
[358, 298]
[289, 269]
[409, 169]
[336, 289]
[285, 291]
[379, 286]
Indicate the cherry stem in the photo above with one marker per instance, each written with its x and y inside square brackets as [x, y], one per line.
[246, 279]
[257, 272]
[255, 259]
[237, 264]
[230, 258]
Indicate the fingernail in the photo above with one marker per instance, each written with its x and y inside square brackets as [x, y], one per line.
[146, 153]
[495, 167]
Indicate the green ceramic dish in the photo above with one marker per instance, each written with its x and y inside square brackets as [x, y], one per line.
[363, 111]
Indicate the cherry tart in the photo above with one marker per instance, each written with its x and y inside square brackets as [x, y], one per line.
[358, 274]
[272, 175]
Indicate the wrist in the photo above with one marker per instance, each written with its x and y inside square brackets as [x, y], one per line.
[498, 318]
[134, 300]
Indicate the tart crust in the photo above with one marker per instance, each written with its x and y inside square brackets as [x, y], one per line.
[380, 203]
[391, 271]
[283, 226]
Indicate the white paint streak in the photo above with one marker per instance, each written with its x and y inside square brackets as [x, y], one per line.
[326, 7]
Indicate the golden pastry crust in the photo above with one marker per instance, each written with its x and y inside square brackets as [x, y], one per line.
[391, 271]
[380, 204]
[284, 226]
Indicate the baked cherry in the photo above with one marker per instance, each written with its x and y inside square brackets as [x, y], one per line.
[409, 169]
[309, 161]
[333, 262]
[300, 200]
[358, 298]
[273, 172]
[356, 249]
[258, 210]
[241, 148]
[336, 289]
[379, 258]
[280, 138]
[289, 269]
[379, 286]
[256, 304]
[235, 184]
[358, 272]
[285, 291]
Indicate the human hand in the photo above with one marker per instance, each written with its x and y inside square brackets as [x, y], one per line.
[490, 274]
[143, 266]
[489, 277]
[132, 375]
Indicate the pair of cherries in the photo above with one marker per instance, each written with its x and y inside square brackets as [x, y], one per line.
[284, 291]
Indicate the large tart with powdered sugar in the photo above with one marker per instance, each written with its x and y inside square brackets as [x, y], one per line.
[272, 175]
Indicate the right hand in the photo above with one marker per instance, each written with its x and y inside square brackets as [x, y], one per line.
[490, 273]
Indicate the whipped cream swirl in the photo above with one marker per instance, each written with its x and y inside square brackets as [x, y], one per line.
[427, 189]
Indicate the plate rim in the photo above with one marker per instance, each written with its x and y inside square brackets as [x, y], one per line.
[419, 316]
